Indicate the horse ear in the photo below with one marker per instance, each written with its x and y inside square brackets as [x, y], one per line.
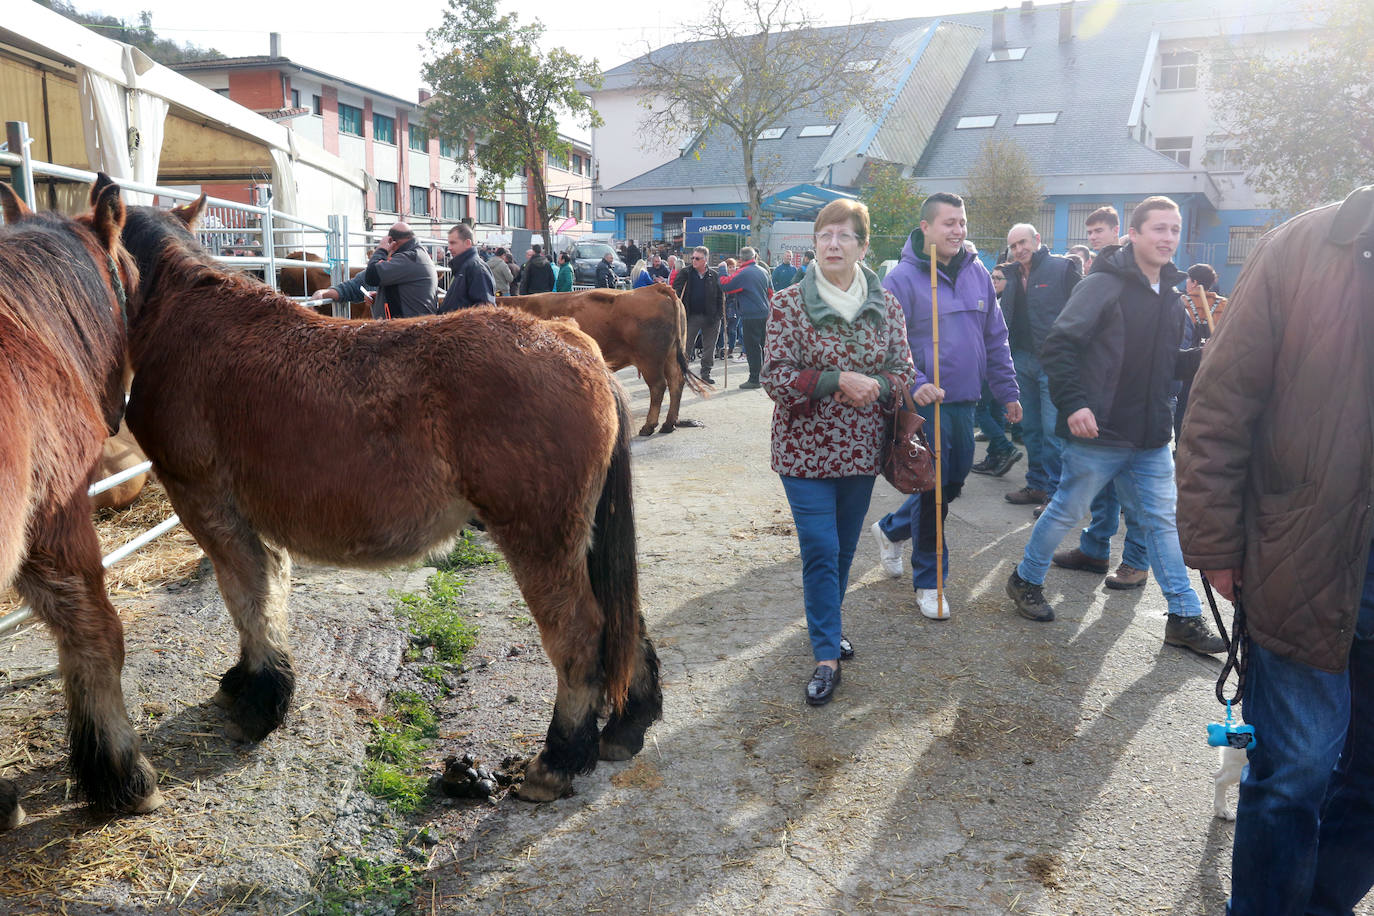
[190, 213]
[107, 214]
[102, 181]
[13, 205]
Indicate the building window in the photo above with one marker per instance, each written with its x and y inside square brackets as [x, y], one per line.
[350, 120]
[1178, 71]
[1078, 222]
[577, 210]
[316, 105]
[1044, 222]
[488, 211]
[577, 164]
[448, 148]
[295, 98]
[1004, 54]
[1179, 149]
[971, 121]
[386, 196]
[1242, 241]
[639, 226]
[452, 205]
[558, 161]
[515, 215]
[772, 133]
[558, 206]
[817, 130]
[860, 66]
[719, 214]
[223, 92]
[419, 201]
[1223, 159]
[419, 138]
[383, 128]
[1036, 117]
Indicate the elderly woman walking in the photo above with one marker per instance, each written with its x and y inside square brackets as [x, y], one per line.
[836, 351]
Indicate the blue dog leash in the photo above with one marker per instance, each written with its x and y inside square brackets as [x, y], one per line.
[1229, 733]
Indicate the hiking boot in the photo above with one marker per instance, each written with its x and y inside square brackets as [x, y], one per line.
[1073, 558]
[1030, 599]
[889, 552]
[933, 605]
[1005, 462]
[1127, 577]
[1193, 633]
[1026, 496]
[985, 466]
[750, 385]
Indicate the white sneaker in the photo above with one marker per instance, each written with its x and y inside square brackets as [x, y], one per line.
[929, 601]
[889, 552]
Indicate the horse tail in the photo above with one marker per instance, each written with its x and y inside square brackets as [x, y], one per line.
[612, 564]
[693, 380]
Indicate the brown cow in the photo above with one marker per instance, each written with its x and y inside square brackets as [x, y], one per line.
[306, 281]
[645, 328]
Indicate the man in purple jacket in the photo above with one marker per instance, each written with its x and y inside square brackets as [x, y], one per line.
[973, 345]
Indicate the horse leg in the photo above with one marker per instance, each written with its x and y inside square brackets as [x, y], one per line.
[255, 580]
[623, 734]
[653, 377]
[570, 627]
[11, 812]
[64, 582]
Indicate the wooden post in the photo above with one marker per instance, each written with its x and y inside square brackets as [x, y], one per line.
[939, 452]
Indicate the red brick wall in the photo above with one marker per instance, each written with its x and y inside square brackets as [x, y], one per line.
[257, 89]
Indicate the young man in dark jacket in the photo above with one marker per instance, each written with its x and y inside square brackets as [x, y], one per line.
[470, 282]
[1111, 358]
[752, 285]
[537, 276]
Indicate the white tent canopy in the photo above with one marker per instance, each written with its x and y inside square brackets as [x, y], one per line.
[143, 121]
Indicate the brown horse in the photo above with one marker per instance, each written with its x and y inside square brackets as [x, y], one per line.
[257, 414]
[645, 328]
[62, 292]
[303, 281]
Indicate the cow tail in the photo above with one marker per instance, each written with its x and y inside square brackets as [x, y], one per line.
[613, 566]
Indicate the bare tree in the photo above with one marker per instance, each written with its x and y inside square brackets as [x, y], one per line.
[744, 68]
[1003, 190]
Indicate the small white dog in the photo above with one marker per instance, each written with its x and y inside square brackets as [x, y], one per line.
[1233, 761]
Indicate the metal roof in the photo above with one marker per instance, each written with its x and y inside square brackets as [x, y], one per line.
[803, 200]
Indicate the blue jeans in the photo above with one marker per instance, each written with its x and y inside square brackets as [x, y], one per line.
[1043, 447]
[1096, 540]
[1145, 483]
[829, 514]
[1305, 822]
[989, 417]
[956, 451]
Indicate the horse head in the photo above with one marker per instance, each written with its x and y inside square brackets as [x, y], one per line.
[150, 232]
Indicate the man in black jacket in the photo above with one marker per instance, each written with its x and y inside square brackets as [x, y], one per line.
[1038, 285]
[470, 281]
[605, 272]
[404, 275]
[1111, 358]
[537, 277]
[698, 286]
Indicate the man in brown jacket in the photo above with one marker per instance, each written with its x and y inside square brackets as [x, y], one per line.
[1276, 483]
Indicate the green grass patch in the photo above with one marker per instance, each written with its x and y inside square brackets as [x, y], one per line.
[381, 887]
[468, 553]
[435, 619]
[395, 756]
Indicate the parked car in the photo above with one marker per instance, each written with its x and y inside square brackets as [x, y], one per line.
[585, 255]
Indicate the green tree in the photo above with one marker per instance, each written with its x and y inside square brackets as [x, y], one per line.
[493, 85]
[894, 209]
[1304, 123]
[744, 68]
[1002, 190]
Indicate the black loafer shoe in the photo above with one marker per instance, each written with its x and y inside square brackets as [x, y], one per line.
[846, 648]
[822, 685]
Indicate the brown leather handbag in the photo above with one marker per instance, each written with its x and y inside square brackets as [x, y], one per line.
[908, 463]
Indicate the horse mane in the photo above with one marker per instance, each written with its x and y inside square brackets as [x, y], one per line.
[66, 300]
[171, 258]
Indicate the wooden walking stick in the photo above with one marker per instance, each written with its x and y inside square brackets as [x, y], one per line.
[939, 453]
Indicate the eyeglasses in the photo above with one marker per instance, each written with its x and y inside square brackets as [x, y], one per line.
[698, 257]
[843, 238]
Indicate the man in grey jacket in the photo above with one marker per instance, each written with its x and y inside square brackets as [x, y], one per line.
[407, 283]
[501, 274]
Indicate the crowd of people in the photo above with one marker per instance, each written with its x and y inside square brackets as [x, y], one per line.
[1102, 357]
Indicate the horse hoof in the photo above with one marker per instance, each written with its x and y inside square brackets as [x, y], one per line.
[150, 802]
[14, 818]
[667, 428]
[614, 752]
[646, 430]
[542, 784]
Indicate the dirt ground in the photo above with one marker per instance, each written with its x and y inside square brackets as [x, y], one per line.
[986, 764]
